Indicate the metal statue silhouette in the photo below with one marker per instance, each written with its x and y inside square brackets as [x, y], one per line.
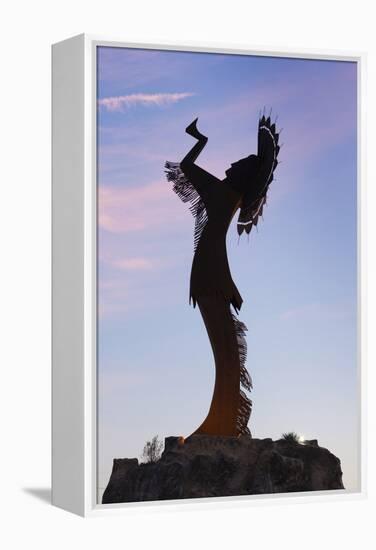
[214, 203]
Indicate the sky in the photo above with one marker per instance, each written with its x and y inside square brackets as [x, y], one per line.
[297, 274]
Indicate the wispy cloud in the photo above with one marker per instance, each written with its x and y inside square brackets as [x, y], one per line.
[133, 264]
[315, 311]
[123, 210]
[122, 102]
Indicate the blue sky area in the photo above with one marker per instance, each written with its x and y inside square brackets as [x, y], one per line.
[297, 274]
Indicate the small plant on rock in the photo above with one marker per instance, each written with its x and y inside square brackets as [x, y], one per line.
[152, 450]
[292, 437]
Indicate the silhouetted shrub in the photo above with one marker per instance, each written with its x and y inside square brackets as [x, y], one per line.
[291, 436]
[153, 450]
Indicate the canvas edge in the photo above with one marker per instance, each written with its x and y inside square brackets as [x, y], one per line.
[68, 381]
[362, 329]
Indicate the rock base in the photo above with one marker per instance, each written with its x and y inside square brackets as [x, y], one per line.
[209, 466]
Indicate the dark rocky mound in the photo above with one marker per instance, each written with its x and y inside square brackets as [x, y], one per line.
[208, 466]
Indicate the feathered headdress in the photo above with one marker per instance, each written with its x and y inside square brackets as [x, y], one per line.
[267, 152]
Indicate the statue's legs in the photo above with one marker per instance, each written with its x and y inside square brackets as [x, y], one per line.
[229, 410]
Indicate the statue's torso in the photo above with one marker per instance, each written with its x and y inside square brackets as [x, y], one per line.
[210, 269]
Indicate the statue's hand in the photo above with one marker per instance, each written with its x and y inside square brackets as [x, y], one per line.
[194, 132]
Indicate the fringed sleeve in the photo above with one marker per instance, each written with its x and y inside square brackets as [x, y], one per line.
[193, 185]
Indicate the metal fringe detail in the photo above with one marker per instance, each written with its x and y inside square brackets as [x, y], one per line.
[245, 404]
[187, 193]
[244, 412]
[245, 378]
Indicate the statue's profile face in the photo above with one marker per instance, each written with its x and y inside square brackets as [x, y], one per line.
[241, 173]
[229, 171]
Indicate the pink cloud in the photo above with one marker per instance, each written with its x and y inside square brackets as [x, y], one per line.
[118, 103]
[137, 209]
[133, 264]
[124, 150]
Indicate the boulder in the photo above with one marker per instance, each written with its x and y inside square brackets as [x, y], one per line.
[211, 466]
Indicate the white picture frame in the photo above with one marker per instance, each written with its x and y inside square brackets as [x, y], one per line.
[74, 285]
